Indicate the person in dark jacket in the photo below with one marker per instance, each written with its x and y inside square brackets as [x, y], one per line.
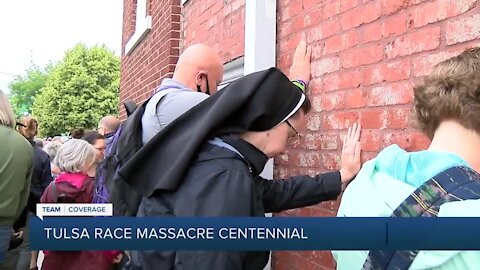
[16, 159]
[221, 146]
[41, 177]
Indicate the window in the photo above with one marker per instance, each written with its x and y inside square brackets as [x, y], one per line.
[232, 71]
[143, 25]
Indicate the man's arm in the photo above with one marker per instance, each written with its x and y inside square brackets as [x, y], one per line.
[299, 191]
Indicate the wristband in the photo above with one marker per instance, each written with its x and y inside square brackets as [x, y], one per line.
[300, 84]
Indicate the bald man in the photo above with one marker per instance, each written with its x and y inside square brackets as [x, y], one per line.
[197, 75]
[107, 126]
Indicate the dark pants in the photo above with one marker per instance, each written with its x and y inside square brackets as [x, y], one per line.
[19, 258]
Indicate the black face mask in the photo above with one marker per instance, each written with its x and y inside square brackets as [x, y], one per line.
[208, 87]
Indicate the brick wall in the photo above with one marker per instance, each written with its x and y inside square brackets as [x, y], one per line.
[217, 23]
[366, 57]
[155, 57]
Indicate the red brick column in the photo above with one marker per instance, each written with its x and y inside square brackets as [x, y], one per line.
[155, 56]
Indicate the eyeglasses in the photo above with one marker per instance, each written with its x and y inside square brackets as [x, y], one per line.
[101, 149]
[296, 132]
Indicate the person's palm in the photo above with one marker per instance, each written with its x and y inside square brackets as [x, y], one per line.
[351, 163]
[300, 69]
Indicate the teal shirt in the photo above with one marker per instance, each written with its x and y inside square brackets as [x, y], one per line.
[16, 158]
[386, 181]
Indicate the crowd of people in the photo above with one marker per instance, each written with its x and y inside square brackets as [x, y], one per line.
[203, 151]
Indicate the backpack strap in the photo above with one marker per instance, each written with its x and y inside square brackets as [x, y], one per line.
[454, 184]
[151, 108]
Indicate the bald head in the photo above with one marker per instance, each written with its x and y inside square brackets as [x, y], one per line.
[199, 67]
[108, 124]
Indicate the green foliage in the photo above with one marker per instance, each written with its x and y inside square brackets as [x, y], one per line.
[80, 90]
[25, 88]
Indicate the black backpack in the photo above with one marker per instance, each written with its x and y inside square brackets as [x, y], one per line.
[127, 140]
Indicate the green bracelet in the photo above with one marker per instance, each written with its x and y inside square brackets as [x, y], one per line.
[299, 85]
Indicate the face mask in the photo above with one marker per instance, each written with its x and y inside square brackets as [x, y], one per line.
[208, 87]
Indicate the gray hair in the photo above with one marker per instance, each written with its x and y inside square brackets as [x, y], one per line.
[7, 117]
[52, 148]
[74, 155]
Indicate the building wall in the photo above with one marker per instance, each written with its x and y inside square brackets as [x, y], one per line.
[367, 54]
[217, 23]
[155, 56]
[366, 57]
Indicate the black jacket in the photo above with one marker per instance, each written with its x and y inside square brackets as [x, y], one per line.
[222, 183]
[41, 177]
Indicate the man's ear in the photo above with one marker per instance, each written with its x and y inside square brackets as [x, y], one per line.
[198, 79]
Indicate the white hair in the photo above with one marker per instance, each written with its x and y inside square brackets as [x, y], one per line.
[74, 155]
[52, 148]
[7, 117]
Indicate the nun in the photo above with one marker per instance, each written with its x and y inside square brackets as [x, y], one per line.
[208, 161]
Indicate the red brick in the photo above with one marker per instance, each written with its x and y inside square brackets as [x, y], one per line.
[390, 94]
[439, 10]
[340, 42]
[330, 9]
[374, 74]
[424, 40]
[355, 99]
[396, 71]
[371, 32]
[331, 82]
[338, 120]
[362, 56]
[463, 29]
[333, 101]
[314, 122]
[312, 18]
[348, 4]
[371, 139]
[315, 86]
[289, 12]
[313, 34]
[330, 27]
[372, 119]
[394, 25]
[289, 44]
[333, 44]
[422, 65]
[328, 142]
[351, 79]
[325, 65]
[330, 160]
[401, 139]
[311, 141]
[361, 15]
[316, 103]
[397, 118]
[390, 7]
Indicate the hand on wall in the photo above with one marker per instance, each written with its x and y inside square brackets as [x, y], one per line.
[350, 163]
[300, 69]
